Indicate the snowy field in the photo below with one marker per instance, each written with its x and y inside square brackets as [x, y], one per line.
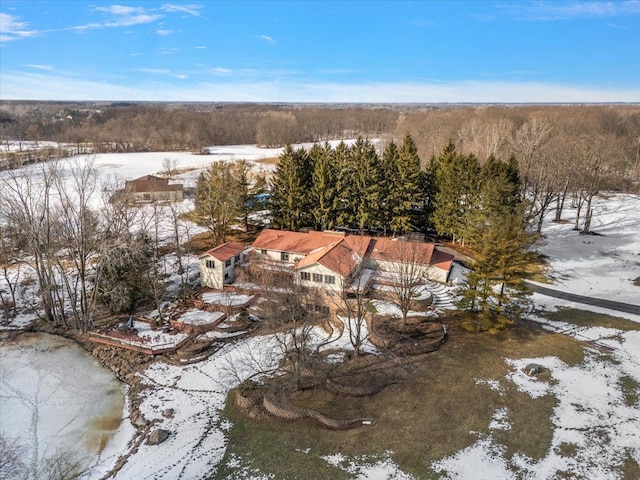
[603, 265]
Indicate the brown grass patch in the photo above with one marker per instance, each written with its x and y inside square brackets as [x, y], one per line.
[630, 469]
[630, 390]
[584, 318]
[636, 282]
[431, 414]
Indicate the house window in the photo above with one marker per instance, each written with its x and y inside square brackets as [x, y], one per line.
[330, 279]
[237, 258]
[263, 252]
[227, 263]
[284, 256]
[317, 277]
[305, 276]
[226, 276]
[211, 264]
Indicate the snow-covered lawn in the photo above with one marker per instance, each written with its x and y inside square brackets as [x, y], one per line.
[226, 298]
[199, 317]
[147, 337]
[603, 265]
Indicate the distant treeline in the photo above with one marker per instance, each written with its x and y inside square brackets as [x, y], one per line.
[553, 134]
[141, 127]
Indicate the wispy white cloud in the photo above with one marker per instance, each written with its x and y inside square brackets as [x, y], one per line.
[221, 71]
[163, 31]
[267, 39]
[126, 16]
[11, 28]
[180, 76]
[28, 86]
[38, 67]
[136, 54]
[168, 51]
[200, 47]
[555, 10]
[188, 9]
[616, 26]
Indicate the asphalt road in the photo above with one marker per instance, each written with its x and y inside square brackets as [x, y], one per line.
[598, 302]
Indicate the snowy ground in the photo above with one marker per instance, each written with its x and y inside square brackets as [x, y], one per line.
[199, 317]
[147, 337]
[603, 265]
[226, 298]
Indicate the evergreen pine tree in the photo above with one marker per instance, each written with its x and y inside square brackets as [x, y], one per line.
[346, 191]
[388, 168]
[457, 180]
[323, 188]
[405, 191]
[497, 232]
[495, 288]
[366, 194]
[289, 190]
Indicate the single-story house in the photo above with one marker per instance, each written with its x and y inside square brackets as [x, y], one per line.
[336, 261]
[151, 188]
[217, 266]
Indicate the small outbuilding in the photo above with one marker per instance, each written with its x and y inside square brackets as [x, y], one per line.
[153, 189]
[217, 266]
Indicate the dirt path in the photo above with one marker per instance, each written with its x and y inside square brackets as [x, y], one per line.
[598, 302]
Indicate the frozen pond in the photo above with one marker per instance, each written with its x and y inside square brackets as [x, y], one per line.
[56, 399]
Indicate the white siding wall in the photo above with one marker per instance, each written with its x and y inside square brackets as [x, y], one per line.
[215, 277]
[319, 270]
[276, 255]
[430, 272]
[211, 277]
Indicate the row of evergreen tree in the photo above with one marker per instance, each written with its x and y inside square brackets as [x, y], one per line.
[356, 188]
[348, 186]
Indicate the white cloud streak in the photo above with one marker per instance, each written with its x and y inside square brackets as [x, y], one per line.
[188, 9]
[11, 28]
[28, 86]
[267, 39]
[575, 9]
[38, 67]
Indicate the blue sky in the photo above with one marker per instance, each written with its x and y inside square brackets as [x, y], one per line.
[402, 51]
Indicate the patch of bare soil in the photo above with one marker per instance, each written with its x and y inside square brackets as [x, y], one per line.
[416, 337]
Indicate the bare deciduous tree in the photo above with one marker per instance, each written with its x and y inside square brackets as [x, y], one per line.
[408, 275]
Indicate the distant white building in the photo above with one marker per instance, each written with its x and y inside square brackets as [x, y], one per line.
[217, 266]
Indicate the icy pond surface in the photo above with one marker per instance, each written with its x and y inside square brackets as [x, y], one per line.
[55, 399]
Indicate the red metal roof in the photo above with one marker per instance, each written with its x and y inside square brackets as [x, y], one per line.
[294, 242]
[387, 249]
